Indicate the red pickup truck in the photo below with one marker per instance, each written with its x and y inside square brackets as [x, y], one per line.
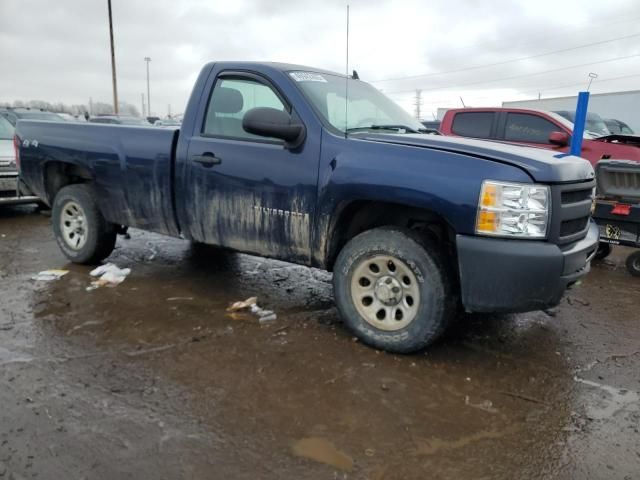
[536, 128]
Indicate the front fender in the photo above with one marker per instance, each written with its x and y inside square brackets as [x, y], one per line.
[445, 183]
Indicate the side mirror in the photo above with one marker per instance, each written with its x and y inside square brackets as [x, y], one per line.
[270, 122]
[560, 139]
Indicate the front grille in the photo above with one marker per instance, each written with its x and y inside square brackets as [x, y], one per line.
[571, 211]
[576, 196]
[569, 227]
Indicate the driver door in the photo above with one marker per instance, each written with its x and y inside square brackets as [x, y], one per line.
[247, 192]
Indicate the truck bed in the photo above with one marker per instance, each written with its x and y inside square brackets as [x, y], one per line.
[131, 167]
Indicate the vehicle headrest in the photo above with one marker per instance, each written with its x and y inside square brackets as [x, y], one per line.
[227, 100]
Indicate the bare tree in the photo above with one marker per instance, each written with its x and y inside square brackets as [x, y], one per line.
[99, 108]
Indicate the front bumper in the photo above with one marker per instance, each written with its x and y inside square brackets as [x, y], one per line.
[498, 275]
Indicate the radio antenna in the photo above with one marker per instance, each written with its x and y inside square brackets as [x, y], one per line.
[346, 83]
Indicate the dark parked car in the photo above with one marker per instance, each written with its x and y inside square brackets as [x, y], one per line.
[15, 114]
[618, 127]
[267, 162]
[432, 125]
[119, 120]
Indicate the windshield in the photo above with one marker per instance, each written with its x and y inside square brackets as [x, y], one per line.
[595, 124]
[6, 129]
[368, 108]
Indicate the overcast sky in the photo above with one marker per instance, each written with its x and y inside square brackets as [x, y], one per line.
[59, 50]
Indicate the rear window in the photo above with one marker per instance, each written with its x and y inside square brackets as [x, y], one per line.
[473, 124]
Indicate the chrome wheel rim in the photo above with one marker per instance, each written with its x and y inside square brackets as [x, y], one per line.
[73, 225]
[385, 292]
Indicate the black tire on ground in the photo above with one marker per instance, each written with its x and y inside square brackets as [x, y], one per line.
[100, 235]
[604, 250]
[437, 302]
[633, 264]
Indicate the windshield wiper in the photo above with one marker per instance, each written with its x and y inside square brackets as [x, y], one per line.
[387, 127]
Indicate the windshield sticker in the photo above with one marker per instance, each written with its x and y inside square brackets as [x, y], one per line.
[307, 77]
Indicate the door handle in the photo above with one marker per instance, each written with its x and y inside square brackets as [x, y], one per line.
[207, 159]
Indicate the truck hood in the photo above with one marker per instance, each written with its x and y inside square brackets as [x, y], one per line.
[540, 164]
[633, 140]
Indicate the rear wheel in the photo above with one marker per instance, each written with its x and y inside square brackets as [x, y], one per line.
[392, 290]
[633, 264]
[81, 231]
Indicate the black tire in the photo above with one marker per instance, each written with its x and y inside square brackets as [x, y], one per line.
[437, 302]
[100, 234]
[633, 264]
[604, 250]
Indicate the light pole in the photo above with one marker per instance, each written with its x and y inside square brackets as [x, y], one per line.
[148, 59]
[113, 62]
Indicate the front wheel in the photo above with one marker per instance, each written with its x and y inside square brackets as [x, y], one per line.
[82, 233]
[392, 290]
[633, 264]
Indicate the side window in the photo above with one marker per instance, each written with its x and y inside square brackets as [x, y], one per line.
[473, 124]
[230, 100]
[522, 127]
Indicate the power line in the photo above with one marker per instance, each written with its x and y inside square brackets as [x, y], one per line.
[533, 90]
[504, 62]
[545, 89]
[418, 104]
[598, 81]
[521, 76]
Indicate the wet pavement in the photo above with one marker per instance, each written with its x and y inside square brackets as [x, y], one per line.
[154, 379]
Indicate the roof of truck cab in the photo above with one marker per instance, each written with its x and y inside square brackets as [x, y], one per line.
[500, 109]
[284, 67]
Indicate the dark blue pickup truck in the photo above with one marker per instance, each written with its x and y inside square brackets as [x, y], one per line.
[315, 168]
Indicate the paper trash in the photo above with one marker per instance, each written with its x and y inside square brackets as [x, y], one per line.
[109, 275]
[49, 275]
[251, 303]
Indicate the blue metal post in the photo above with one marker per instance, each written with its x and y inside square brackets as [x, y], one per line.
[579, 123]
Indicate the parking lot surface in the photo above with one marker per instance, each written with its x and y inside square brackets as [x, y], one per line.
[153, 378]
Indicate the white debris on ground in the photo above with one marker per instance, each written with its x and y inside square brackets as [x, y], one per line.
[108, 275]
[49, 275]
[251, 304]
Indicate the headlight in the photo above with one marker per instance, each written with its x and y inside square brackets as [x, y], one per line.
[513, 210]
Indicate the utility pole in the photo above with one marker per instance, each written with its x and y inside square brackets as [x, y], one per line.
[148, 59]
[113, 62]
[418, 103]
[142, 97]
[169, 111]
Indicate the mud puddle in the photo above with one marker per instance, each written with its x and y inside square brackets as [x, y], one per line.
[153, 378]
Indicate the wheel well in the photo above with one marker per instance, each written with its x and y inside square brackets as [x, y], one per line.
[360, 216]
[61, 174]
